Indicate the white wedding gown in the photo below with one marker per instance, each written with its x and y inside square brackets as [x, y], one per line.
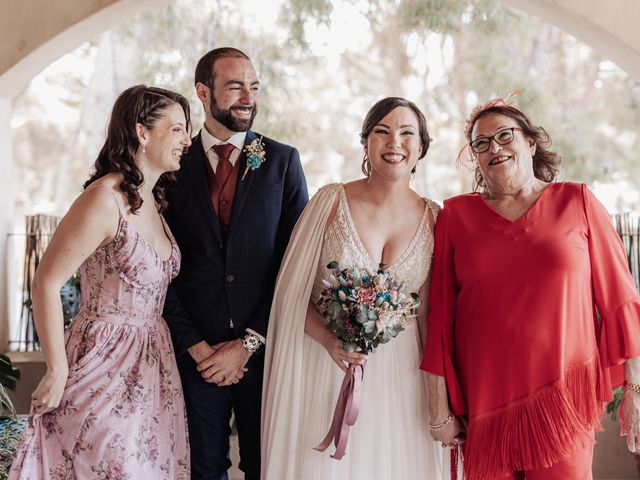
[390, 439]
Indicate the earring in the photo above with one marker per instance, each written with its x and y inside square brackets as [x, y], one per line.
[144, 149]
[366, 166]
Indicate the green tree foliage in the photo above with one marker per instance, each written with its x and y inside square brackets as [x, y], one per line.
[446, 55]
[589, 107]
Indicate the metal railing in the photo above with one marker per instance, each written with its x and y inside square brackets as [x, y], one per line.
[628, 227]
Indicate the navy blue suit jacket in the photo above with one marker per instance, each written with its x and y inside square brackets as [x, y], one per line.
[233, 278]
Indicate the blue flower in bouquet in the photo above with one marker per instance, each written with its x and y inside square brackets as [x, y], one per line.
[365, 308]
[384, 297]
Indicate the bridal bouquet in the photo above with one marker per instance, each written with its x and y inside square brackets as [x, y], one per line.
[364, 309]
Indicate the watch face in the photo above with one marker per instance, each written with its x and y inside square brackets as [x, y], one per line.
[251, 343]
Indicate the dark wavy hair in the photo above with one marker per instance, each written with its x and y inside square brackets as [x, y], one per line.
[546, 163]
[138, 104]
[380, 110]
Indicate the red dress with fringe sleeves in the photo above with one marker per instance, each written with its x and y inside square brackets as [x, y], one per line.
[512, 324]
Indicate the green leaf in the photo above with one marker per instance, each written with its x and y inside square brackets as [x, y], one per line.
[397, 329]
[614, 405]
[362, 315]
[8, 373]
[334, 310]
[349, 347]
[8, 382]
[6, 405]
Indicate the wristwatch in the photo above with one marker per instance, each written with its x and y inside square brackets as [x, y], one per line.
[251, 342]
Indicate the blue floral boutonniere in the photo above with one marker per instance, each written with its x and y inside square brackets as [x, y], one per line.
[255, 155]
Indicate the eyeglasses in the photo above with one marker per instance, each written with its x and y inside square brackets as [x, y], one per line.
[502, 137]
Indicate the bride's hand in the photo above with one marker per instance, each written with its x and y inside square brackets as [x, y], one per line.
[452, 434]
[339, 355]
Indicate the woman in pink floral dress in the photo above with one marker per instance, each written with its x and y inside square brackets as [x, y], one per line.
[110, 404]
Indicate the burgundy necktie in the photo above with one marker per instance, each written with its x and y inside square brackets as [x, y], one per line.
[224, 165]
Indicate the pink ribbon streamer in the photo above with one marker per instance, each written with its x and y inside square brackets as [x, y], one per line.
[345, 413]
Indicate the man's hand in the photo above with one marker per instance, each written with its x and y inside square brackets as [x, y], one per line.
[226, 365]
[200, 351]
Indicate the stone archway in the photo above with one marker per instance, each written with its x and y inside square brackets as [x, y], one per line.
[34, 36]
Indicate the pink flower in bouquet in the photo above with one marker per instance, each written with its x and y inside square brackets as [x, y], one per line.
[367, 295]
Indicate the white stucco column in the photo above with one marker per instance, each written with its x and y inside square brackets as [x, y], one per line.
[6, 221]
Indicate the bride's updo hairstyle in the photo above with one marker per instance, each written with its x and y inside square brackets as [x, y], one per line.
[380, 110]
[138, 104]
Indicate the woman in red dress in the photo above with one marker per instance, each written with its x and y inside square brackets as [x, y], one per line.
[518, 360]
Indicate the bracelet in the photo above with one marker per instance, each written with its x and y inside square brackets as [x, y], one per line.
[440, 426]
[634, 387]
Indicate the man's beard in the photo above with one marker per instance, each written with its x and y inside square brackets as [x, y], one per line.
[226, 118]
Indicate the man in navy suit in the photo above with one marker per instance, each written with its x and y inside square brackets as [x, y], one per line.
[237, 198]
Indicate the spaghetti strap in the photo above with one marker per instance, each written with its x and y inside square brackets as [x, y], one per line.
[97, 185]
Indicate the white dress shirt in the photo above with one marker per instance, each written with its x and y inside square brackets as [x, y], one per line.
[208, 141]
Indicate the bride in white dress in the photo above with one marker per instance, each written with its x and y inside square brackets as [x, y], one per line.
[373, 221]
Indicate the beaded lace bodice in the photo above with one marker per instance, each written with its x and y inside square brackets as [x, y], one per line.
[342, 243]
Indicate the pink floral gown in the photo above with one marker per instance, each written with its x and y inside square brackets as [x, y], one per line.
[122, 412]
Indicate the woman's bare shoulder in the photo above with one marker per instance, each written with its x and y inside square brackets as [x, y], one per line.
[99, 202]
[108, 186]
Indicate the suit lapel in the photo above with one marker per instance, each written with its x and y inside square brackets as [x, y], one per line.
[195, 170]
[243, 186]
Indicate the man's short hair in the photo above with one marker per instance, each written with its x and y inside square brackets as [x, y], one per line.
[204, 69]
